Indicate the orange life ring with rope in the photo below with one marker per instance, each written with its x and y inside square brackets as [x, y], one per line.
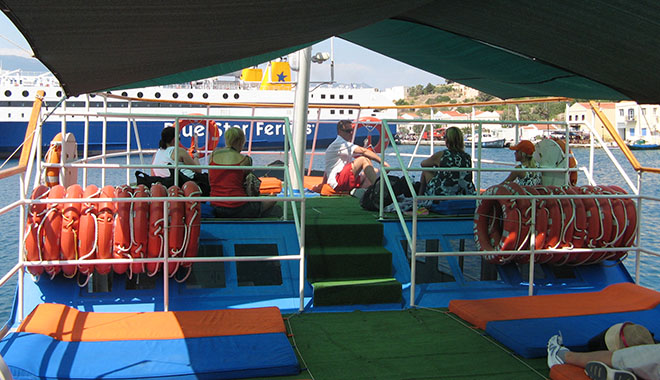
[607, 217]
[140, 228]
[507, 227]
[193, 217]
[370, 123]
[32, 241]
[594, 221]
[211, 130]
[70, 228]
[106, 217]
[53, 156]
[87, 242]
[553, 236]
[51, 228]
[619, 221]
[122, 229]
[541, 229]
[156, 228]
[631, 217]
[567, 218]
[177, 228]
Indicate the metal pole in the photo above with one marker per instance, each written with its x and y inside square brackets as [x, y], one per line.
[300, 112]
[638, 254]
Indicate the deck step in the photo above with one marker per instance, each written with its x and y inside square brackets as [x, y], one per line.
[344, 233]
[340, 262]
[357, 292]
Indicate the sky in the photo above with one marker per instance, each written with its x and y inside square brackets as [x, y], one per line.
[353, 64]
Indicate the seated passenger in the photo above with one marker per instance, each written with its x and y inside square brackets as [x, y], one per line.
[349, 166]
[230, 183]
[166, 153]
[525, 155]
[448, 182]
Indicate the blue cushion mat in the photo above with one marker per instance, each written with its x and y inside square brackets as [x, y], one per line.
[36, 356]
[529, 337]
[454, 207]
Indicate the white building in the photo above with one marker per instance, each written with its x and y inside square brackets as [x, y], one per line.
[635, 121]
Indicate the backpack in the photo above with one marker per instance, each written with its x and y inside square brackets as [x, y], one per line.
[371, 198]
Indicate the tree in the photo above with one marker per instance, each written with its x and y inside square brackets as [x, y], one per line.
[483, 97]
[429, 89]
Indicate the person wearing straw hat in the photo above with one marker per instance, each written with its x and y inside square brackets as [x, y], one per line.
[525, 155]
[628, 352]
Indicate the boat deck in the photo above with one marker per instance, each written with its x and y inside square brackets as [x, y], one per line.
[419, 343]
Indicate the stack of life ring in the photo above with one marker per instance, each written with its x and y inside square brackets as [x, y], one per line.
[560, 223]
[106, 230]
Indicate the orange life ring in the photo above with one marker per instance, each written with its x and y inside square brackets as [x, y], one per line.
[607, 217]
[369, 123]
[541, 229]
[53, 156]
[87, 243]
[619, 221]
[176, 232]
[553, 236]
[106, 216]
[592, 210]
[70, 228]
[140, 230]
[156, 224]
[631, 217]
[51, 228]
[572, 162]
[122, 229]
[507, 228]
[193, 217]
[567, 218]
[32, 241]
[211, 129]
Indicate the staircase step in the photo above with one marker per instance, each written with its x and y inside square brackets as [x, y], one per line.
[343, 233]
[339, 262]
[357, 292]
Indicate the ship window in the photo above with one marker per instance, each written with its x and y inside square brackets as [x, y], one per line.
[92, 95]
[59, 93]
[350, 96]
[9, 115]
[225, 96]
[341, 96]
[332, 96]
[7, 93]
[143, 281]
[258, 273]
[322, 96]
[350, 112]
[140, 94]
[207, 275]
[26, 93]
[23, 115]
[332, 112]
[190, 95]
[124, 93]
[236, 96]
[157, 95]
[175, 95]
[341, 112]
[205, 95]
[100, 283]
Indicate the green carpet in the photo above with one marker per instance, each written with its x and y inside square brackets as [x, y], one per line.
[346, 261]
[408, 344]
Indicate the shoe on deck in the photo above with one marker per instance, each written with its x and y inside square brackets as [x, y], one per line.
[554, 346]
[600, 371]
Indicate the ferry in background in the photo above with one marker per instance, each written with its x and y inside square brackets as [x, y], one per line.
[256, 93]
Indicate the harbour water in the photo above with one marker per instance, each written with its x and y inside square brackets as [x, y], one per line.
[604, 172]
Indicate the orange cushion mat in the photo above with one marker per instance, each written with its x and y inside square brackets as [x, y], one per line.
[616, 298]
[68, 324]
[316, 185]
[567, 372]
[270, 185]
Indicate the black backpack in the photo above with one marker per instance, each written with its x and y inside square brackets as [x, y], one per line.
[371, 198]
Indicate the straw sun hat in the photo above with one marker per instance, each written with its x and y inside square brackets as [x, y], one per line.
[627, 334]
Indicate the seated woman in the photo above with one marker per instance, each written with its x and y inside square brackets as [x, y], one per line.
[525, 155]
[448, 182]
[165, 156]
[230, 182]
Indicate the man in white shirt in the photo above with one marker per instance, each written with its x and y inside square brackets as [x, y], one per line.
[347, 165]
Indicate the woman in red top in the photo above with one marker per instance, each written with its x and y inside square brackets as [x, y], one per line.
[230, 182]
